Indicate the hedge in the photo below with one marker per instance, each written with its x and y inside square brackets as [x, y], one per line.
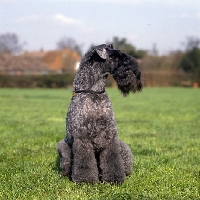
[32, 81]
[42, 81]
[66, 80]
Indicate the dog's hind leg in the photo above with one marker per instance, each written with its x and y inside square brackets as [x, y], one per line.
[65, 155]
[84, 167]
[127, 158]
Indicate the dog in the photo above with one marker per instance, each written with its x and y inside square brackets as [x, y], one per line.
[91, 151]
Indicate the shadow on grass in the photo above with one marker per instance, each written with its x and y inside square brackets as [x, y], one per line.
[56, 165]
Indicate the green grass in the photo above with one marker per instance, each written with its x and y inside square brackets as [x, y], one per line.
[161, 125]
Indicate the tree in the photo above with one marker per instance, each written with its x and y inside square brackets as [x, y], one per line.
[154, 50]
[190, 62]
[9, 43]
[69, 43]
[126, 47]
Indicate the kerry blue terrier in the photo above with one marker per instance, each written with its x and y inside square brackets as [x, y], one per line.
[91, 151]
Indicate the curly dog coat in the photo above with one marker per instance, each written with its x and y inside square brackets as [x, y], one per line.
[91, 151]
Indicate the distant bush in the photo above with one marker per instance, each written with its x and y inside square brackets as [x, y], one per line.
[153, 78]
[43, 81]
[150, 78]
[32, 81]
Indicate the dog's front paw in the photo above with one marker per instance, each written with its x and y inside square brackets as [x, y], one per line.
[113, 178]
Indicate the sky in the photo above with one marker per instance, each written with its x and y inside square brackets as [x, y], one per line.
[144, 23]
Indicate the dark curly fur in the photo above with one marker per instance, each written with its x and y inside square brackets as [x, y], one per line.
[91, 151]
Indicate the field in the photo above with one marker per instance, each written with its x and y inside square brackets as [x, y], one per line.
[161, 125]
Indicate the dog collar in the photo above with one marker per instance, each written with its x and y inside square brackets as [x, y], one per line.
[87, 91]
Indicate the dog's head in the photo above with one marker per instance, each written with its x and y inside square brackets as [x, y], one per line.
[123, 67]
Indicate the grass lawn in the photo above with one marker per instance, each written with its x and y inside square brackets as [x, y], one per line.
[161, 125]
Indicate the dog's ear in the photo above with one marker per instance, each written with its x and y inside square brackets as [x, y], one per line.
[101, 51]
[106, 51]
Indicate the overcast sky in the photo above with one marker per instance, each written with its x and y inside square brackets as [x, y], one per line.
[42, 23]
